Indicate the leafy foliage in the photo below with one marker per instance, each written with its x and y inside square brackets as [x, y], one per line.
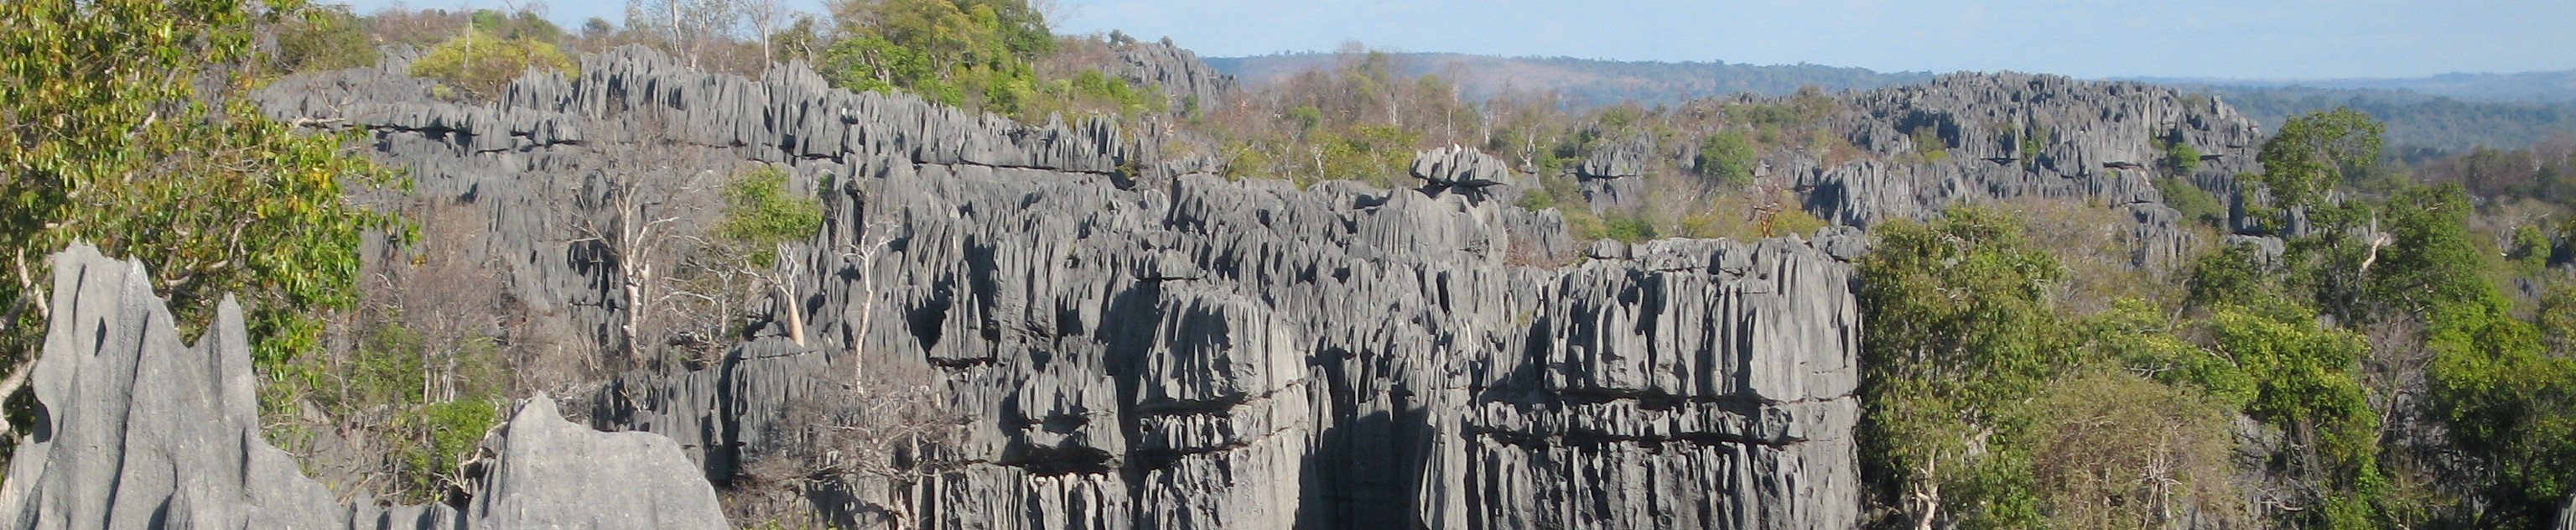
[2139, 338]
[2181, 158]
[1956, 329]
[103, 146]
[1727, 156]
[1929, 144]
[2314, 152]
[483, 64]
[1629, 229]
[424, 418]
[2304, 379]
[968, 53]
[325, 38]
[2195, 204]
[760, 213]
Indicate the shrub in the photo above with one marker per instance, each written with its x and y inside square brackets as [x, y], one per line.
[1929, 144]
[2182, 158]
[2196, 205]
[760, 213]
[449, 433]
[1629, 228]
[1793, 220]
[1728, 157]
[2125, 452]
[326, 38]
[483, 65]
[1535, 200]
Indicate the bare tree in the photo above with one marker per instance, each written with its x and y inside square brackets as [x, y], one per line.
[450, 297]
[896, 427]
[861, 257]
[645, 208]
[691, 25]
[763, 17]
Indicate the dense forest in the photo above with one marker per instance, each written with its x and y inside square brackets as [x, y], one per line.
[2366, 334]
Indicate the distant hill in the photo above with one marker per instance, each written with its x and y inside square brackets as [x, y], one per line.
[2419, 125]
[1588, 83]
[2553, 87]
[2445, 113]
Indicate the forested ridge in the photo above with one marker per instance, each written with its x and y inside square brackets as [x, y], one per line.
[2363, 318]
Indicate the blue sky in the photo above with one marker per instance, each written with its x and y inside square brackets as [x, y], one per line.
[2246, 39]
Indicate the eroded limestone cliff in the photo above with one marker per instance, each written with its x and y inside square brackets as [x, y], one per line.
[1167, 351]
[137, 429]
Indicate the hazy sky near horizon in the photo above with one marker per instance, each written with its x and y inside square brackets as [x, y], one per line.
[2257, 39]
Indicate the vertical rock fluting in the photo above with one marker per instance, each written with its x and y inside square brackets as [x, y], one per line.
[136, 429]
[1194, 354]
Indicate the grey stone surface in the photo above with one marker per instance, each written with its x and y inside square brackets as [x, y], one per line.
[1612, 173]
[538, 471]
[1177, 71]
[2098, 142]
[1468, 171]
[137, 429]
[1201, 354]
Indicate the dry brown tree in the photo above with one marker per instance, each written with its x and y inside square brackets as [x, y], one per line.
[638, 215]
[878, 441]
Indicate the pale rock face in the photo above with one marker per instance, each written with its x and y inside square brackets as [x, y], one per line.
[140, 430]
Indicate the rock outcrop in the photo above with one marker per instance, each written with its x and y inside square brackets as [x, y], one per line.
[2022, 135]
[1612, 174]
[136, 429]
[1193, 354]
[1466, 171]
[1189, 83]
[2003, 136]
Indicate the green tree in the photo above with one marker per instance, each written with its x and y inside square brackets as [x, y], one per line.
[761, 212]
[1957, 329]
[1727, 156]
[2307, 382]
[2557, 320]
[2429, 260]
[2530, 249]
[1928, 142]
[2509, 405]
[2180, 156]
[971, 53]
[2315, 152]
[327, 38]
[102, 145]
[484, 64]
[2195, 204]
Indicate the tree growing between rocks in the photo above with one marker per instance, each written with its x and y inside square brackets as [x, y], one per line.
[968, 53]
[651, 199]
[743, 257]
[126, 125]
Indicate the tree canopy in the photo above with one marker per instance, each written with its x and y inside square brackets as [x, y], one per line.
[971, 53]
[125, 126]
